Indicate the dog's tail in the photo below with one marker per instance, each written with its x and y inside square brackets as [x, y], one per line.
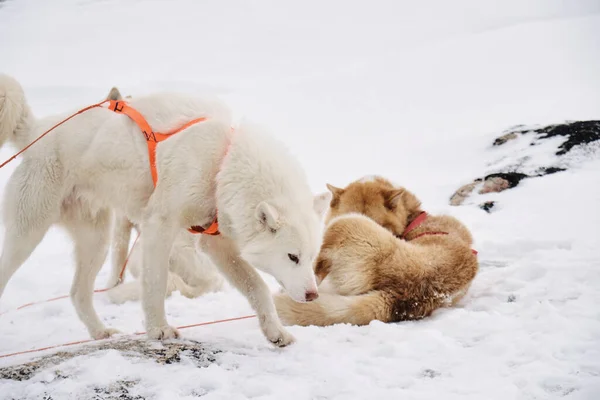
[331, 309]
[15, 114]
[120, 248]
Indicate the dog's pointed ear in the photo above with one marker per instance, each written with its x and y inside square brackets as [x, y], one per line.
[409, 201]
[321, 203]
[268, 216]
[335, 191]
[393, 198]
[114, 94]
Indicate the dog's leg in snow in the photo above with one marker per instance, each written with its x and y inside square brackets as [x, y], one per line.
[158, 236]
[247, 280]
[91, 236]
[31, 206]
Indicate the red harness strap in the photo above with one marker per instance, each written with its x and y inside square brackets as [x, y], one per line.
[416, 223]
[153, 138]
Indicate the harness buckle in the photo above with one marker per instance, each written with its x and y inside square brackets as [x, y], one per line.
[150, 136]
[119, 106]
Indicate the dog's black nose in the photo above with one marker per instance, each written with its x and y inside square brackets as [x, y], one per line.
[310, 296]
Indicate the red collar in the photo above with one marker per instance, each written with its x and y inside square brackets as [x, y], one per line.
[416, 223]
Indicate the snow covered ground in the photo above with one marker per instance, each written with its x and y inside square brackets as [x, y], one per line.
[414, 91]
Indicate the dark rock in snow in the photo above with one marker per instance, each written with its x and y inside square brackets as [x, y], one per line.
[167, 352]
[431, 373]
[512, 179]
[505, 138]
[576, 134]
[463, 192]
[117, 390]
[580, 135]
[549, 170]
[487, 206]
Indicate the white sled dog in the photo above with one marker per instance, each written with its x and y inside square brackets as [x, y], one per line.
[191, 272]
[99, 162]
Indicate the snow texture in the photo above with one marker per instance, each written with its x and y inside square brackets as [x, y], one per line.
[413, 91]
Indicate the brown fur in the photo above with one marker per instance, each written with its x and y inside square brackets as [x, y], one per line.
[366, 272]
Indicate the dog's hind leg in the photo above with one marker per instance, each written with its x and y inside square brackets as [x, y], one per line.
[31, 206]
[91, 236]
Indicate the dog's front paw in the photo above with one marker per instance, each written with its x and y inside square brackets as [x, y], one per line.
[104, 333]
[163, 333]
[277, 334]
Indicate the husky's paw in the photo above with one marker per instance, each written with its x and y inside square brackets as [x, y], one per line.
[277, 335]
[163, 333]
[104, 333]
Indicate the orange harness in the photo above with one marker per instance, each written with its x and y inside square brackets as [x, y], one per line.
[153, 138]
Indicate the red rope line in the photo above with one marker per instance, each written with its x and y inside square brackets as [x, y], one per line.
[51, 129]
[135, 334]
[121, 275]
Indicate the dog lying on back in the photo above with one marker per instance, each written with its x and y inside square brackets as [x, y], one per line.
[371, 267]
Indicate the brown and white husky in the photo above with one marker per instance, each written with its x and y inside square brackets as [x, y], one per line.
[384, 259]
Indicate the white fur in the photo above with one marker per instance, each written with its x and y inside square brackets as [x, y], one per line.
[191, 272]
[98, 162]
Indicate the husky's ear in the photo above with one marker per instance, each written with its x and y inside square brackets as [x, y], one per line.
[114, 94]
[401, 196]
[393, 198]
[268, 216]
[335, 191]
[321, 203]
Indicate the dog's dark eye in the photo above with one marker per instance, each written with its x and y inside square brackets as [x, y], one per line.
[294, 258]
